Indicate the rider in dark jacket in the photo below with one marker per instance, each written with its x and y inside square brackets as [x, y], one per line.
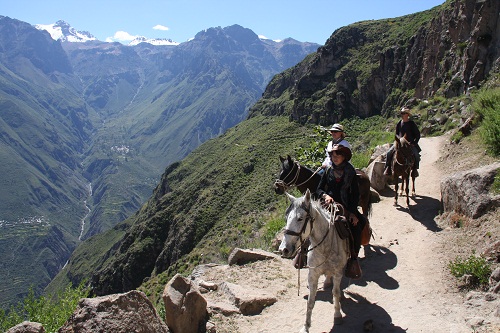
[408, 129]
[340, 184]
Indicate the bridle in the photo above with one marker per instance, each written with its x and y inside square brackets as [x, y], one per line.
[334, 208]
[286, 185]
[408, 159]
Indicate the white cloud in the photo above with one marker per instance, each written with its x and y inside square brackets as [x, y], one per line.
[160, 27]
[121, 36]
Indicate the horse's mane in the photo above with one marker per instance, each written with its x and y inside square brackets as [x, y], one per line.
[402, 142]
[316, 204]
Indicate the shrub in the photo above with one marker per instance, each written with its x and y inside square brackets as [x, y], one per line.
[476, 267]
[495, 187]
[52, 314]
[487, 104]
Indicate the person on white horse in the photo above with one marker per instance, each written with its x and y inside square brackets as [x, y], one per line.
[338, 138]
[340, 184]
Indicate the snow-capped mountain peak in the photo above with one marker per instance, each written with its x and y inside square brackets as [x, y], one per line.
[64, 32]
[153, 41]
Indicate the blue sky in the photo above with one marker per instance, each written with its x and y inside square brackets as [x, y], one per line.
[180, 20]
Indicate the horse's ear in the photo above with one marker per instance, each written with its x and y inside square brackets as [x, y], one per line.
[290, 197]
[289, 158]
[282, 159]
[307, 198]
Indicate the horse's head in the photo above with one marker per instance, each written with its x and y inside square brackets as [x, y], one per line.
[297, 227]
[403, 152]
[287, 165]
[401, 143]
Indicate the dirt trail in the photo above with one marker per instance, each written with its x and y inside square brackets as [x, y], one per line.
[404, 287]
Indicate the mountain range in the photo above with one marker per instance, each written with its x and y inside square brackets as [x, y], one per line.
[131, 106]
[87, 128]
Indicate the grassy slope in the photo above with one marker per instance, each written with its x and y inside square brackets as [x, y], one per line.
[211, 193]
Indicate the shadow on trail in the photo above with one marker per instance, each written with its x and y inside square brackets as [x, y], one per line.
[425, 211]
[377, 261]
[360, 312]
[422, 208]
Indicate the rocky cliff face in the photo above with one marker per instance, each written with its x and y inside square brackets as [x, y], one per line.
[372, 67]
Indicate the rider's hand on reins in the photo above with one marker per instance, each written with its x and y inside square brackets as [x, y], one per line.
[328, 200]
[353, 219]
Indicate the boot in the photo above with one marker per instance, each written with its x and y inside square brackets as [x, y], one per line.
[388, 171]
[352, 269]
[414, 173]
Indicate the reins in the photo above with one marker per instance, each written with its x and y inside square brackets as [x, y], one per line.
[286, 185]
[408, 160]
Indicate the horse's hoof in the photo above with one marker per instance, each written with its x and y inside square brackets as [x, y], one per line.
[304, 330]
[338, 321]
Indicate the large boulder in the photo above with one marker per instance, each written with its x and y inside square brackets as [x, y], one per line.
[249, 301]
[27, 327]
[375, 171]
[118, 313]
[185, 307]
[244, 256]
[468, 192]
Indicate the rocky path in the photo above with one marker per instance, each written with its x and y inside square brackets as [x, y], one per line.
[405, 285]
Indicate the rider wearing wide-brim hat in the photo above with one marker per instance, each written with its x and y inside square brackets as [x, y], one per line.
[338, 137]
[339, 184]
[408, 129]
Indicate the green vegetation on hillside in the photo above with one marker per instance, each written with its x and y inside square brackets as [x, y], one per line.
[362, 134]
[51, 313]
[487, 106]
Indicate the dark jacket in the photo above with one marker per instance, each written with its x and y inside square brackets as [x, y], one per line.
[345, 190]
[410, 129]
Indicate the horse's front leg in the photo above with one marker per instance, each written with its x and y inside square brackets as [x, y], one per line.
[337, 316]
[396, 187]
[413, 188]
[312, 280]
[407, 191]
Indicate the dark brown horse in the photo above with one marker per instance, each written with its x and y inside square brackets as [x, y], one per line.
[402, 165]
[294, 174]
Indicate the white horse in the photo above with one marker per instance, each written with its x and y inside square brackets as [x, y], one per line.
[328, 253]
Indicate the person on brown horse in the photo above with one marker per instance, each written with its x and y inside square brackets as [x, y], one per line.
[408, 129]
[339, 184]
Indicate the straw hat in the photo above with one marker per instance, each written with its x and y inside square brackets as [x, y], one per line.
[405, 110]
[336, 128]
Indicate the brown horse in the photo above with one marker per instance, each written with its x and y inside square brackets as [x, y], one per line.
[294, 174]
[402, 165]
